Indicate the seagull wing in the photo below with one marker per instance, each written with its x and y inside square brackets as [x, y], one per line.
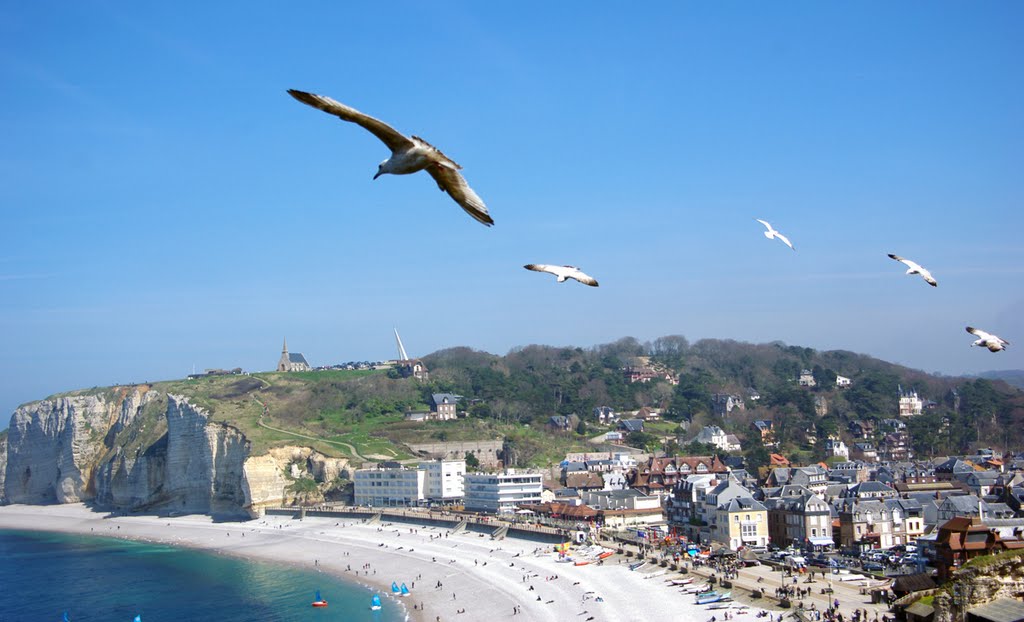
[784, 239]
[897, 258]
[395, 140]
[765, 223]
[927, 276]
[584, 278]
[541, 267]
[980, 333]
[452, 182]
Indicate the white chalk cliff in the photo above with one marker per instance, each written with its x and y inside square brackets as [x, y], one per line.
[137, 449]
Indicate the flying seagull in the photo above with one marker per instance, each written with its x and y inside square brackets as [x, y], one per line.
[408, 154]
[988, 340]
[771, 233]
[915, 268]
[563, 273]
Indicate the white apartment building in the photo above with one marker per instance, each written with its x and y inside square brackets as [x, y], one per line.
[501, 492]
[394, 485]
[445, 479]
[389, 486]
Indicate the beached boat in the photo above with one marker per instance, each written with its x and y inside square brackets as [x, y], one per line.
[686, 581]
[637, 565]
[565, 560]
[404, 591]
[319, 602]
[606, 555]
[712, 597]
[394, 589]
[375, 603]
[583, 562]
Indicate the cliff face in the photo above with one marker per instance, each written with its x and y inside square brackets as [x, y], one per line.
[3, 463]
[54, 445]
[140, 450]
[1002, 577]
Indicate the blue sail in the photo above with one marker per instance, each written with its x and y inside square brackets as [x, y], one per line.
[375, 602]
[138, 619]
[394, 587]
[318, 599]
[66, 617]
[405, 590]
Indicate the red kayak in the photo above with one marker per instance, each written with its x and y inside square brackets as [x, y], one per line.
[319, 603]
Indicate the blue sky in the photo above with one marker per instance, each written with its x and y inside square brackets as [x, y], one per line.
[166, 204]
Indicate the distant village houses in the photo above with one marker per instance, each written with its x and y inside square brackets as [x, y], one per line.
[723, 403]
[910, 403]
[807, 378]
[714, 435]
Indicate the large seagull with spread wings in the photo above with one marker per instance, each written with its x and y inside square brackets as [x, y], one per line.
[772, 234]
[987, 340]
[915, 268]
[563, 273]
[408, 154]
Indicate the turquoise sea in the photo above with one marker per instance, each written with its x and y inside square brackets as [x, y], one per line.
[94, 579]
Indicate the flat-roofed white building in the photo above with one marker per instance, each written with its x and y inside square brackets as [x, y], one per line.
[502, 492]
[392, 484]
[389, 486]
[445, 479]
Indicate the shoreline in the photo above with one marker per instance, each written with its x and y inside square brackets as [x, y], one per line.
[480, 578]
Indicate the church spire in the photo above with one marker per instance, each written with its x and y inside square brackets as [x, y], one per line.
[284, 348]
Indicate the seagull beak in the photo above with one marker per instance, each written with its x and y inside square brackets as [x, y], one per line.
[377, 175]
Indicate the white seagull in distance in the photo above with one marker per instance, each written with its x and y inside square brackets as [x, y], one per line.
[987, 340]
[408, 154]
[772, 234]
[563, 273]
[915, 268]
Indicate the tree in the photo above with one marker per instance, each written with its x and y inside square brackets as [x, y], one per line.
[692, 394]
[472, 462]
[699, 449]
[641, 440]
[581, 428]
[755, 457]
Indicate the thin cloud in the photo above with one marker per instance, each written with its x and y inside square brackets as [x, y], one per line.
[24, 277]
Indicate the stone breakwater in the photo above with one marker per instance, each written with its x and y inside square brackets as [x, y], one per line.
[141, 450]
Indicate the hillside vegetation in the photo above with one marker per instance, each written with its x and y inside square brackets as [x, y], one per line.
[360, 414]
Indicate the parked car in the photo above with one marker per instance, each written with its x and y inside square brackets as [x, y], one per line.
[873, 567]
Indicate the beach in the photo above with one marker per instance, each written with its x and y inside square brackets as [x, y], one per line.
[465, 576]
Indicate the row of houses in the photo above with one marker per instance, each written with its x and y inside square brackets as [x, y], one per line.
[853, 506]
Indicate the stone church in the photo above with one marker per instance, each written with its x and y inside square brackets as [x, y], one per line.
[291, 362]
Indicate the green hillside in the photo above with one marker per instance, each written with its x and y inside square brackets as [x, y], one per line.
[360, 414]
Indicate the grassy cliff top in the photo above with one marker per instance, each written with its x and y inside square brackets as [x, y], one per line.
[355, 414]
